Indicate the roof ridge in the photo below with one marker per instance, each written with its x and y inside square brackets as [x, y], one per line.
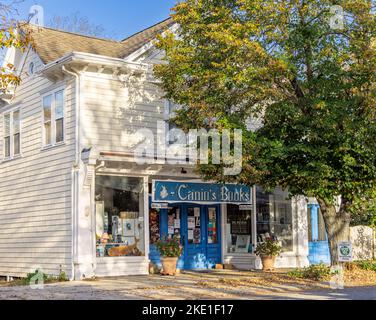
[143, 30]
[76, 34]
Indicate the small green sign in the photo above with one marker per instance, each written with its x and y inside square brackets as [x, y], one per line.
[344, 252]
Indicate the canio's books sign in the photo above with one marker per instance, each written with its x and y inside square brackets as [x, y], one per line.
[175, 191]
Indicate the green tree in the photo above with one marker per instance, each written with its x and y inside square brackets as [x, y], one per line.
[303, 68]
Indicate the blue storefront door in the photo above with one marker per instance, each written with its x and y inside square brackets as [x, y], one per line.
[193, 237]
[201, 236]
[199, 231]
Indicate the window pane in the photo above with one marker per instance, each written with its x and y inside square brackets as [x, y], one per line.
[47, 102]
[119, 216]
[239, 229]
[16, 144]
[59, 130]
[155, 231]
[16, 122]
[322, 230]
[7, 147]
[194, 225]
[212, 226]
[274, 218]
[7, 125]
[59, 105]
[47, 133]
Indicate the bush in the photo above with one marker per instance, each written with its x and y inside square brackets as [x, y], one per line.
[62, 277]
[369, 265]
[314, 272]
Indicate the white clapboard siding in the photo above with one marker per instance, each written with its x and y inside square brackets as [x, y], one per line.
[113, 111]
[35, 189]
[121, 266]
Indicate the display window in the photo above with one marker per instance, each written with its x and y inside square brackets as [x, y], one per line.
[154, 222]
[239, 230]
[119, 204]
[173, 222]
[274, 217]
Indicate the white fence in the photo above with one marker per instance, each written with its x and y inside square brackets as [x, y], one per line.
[364, 242]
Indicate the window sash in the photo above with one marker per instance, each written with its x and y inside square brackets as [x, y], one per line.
[16, 144]
[53, 118]
[7, 147]
[12, 134]
[7, 125]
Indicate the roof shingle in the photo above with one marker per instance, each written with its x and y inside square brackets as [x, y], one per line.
[51, 44]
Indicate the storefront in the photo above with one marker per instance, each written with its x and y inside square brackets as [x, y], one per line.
[217, 224]
[193, 212]
[226, 231]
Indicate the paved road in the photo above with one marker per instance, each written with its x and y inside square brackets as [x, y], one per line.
[183, 287]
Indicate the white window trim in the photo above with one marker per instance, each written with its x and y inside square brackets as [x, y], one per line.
[53, 119]
[11, 134]
[167, 116]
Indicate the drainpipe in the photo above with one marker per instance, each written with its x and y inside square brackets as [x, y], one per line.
[75, 176]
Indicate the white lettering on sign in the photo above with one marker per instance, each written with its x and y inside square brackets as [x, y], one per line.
[226, 195]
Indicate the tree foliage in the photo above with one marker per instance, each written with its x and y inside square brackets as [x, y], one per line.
[12, 35]
[296, 66]
[314, 87]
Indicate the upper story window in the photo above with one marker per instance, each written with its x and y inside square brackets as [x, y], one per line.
[31, 68]
[171, 128]
[12, 134]
[53, 118]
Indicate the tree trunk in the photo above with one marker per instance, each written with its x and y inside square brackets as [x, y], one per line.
[337, 224]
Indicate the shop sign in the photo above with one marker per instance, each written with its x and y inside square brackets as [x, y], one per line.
[344, 252]
[206, 193]
[245, 207]
[159, 205]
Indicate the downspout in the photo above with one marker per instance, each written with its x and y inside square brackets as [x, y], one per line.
[76, 164]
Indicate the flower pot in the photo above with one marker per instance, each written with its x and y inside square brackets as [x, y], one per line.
[268, 263]
[169, 266]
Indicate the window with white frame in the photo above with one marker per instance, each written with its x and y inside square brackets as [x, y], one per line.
[12, 134]
[53, 118]
[170, 109]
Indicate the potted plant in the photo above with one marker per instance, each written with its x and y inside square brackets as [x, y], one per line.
[170, 250]
[268, 251]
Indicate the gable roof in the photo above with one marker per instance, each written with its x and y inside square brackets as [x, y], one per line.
[51, 44]
[138, 40]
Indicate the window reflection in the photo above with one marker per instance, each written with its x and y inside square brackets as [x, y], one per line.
[119, 216]
[274, 217]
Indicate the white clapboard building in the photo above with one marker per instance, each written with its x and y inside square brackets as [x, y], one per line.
[72, 196]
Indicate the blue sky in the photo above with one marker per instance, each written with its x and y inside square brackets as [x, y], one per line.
[121, 17]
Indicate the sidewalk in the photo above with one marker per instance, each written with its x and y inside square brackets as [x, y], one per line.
[190, 285]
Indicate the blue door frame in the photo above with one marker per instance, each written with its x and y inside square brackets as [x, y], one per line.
[203, 255]
[318, 250]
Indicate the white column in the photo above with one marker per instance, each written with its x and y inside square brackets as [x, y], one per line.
[146, 216]
[301, 231]
[223, 223]
[84, 229]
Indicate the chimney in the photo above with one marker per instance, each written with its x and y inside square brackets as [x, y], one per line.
[36, 16]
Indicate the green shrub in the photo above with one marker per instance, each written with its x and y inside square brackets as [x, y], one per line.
[366, 265]
[314, 272]
[62, 277]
